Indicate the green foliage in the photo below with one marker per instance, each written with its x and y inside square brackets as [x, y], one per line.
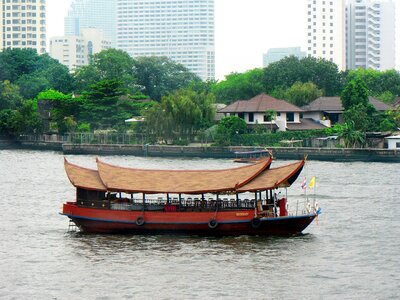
[228, 128]
[361, 116]
[99, 104]
[181, 115]
[394, 117]
[27, 119]
[239, 86]
[302, 93]
[108, 65]
[17, 62]
[84, 127]
[377, 82]
[160, 76]
[33, 73]
[7, 121]
[355, 92]
[387, 97]
[350, 135]
[10, 97]
[52, 95]
[286, 72]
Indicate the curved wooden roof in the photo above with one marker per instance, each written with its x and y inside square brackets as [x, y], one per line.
[274, 178]
[84, 178]
[178, 181]
[253, 177]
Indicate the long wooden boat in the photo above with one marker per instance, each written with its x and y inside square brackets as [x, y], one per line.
[234, 201]
[251, 156]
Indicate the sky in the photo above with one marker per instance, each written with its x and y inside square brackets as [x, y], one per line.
[244, 30]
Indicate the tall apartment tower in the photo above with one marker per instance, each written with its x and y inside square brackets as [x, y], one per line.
[75, 51]
[99, 14]
[370, 34]
[23, 24]
[327, 30]
[182, 30]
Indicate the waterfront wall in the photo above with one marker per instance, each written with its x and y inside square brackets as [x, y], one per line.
[324, 154]
[327, 154]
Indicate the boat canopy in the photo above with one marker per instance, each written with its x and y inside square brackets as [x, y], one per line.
[255, 177]
[84, 178]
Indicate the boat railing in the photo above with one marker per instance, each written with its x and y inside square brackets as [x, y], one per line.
[302, 207]
[159, 203]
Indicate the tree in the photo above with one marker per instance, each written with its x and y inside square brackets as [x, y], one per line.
[99, 104]
[355, 92]
[10, 97]
[362, 117]
[289, 70]
[228, 128]
[7, 121]
[302, 93]
[181, 115]
[377, 82]
[108, 65]
[350, 135]
[239, 86]
[33, 73]
[27, 119]
[160, 76]
[17, 62]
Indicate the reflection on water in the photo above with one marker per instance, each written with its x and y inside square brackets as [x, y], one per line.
[351, 253]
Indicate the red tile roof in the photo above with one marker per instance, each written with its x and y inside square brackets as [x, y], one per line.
[334, 105]
[305, 124]
[260, 103]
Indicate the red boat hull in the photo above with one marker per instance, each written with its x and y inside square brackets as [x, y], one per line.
[223, 223]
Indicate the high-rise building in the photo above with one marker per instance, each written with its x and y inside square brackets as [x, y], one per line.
[276, 54]
[98, 14]
[370, 34]
[75, 51]
[182, 30]
[353, 33]
[23, 24]
[327, 30]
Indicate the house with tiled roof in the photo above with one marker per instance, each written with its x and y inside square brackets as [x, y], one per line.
[329, 110]
[255, 111]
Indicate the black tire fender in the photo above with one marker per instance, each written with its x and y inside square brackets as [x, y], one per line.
[212, 223]
[139, 221]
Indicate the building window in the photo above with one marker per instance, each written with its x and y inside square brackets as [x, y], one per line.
[398, 145]
[241, 115]
[290, 117]
[251, 117]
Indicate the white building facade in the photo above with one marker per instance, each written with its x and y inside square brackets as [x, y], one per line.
[326, 30]
[23, 24]
[182, 30]
[99, 14]
[352, 33]
[75, 51]
[370, 34]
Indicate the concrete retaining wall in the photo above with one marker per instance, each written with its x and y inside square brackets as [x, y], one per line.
[327, 154]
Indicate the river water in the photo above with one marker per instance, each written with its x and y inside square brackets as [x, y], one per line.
[352, 253]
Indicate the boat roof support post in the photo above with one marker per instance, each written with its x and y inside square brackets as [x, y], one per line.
[144, 200]
[167, 198]
[237, 199]
[180, 201]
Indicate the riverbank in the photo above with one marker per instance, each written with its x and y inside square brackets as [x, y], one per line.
[322, 154]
